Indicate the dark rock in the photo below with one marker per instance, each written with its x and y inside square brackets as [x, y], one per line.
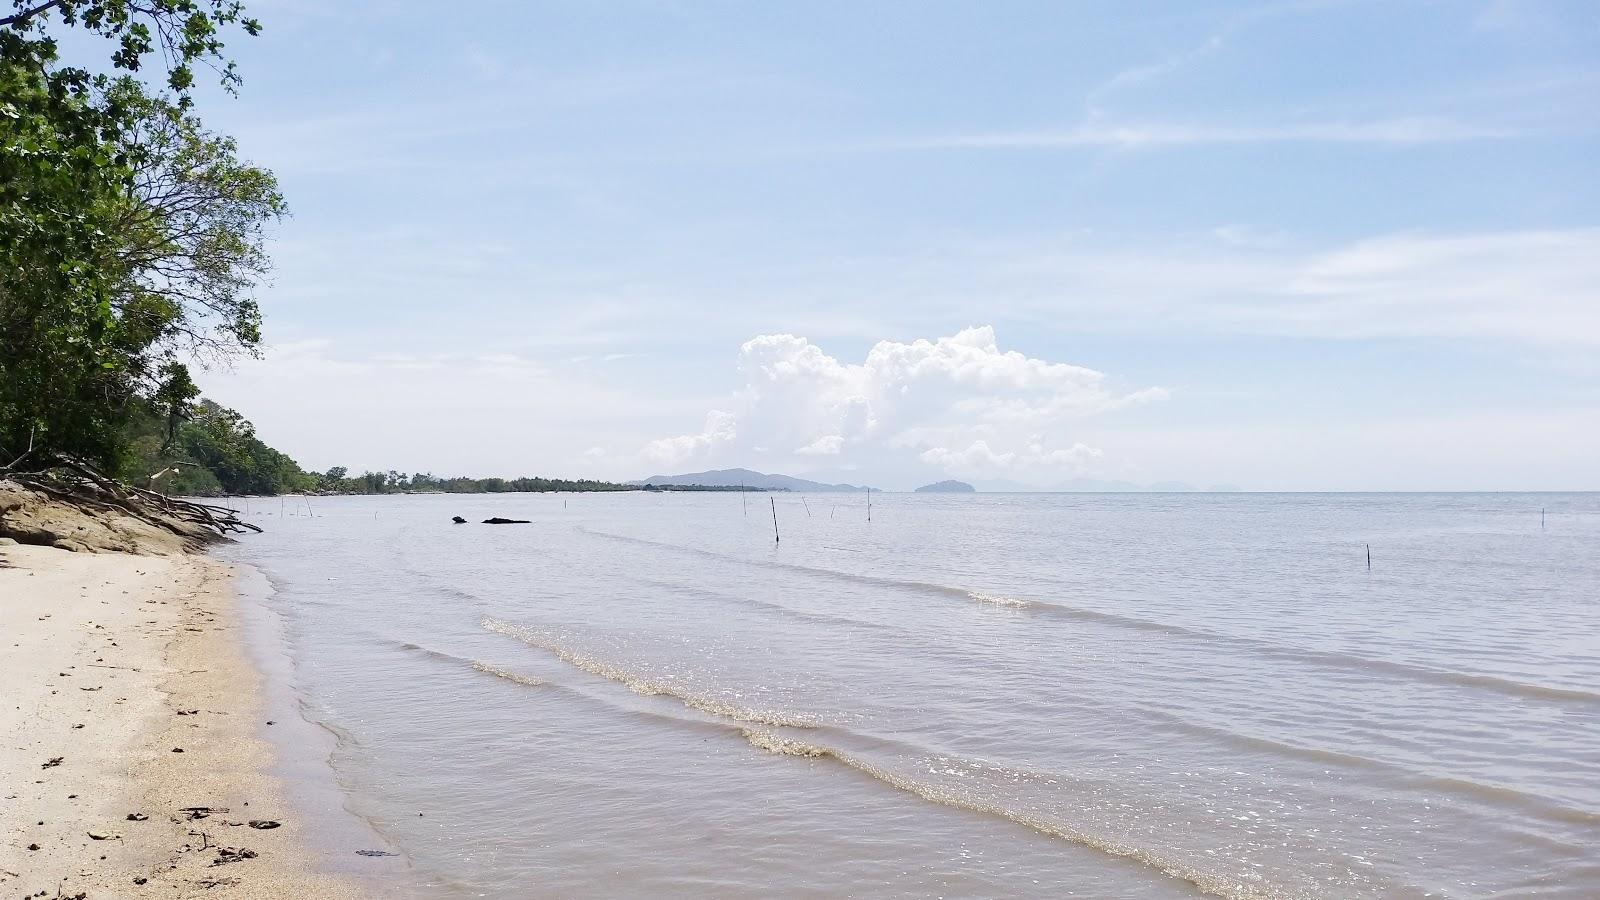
[458, 520]
[499, 521]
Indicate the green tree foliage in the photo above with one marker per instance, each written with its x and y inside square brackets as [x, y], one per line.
[64, 360]
[180, 32]
[129, 236]
[336, 481]
[213, 450]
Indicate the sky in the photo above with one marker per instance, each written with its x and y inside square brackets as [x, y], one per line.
[1314, 245]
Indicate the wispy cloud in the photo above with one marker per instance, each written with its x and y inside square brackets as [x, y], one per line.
[1214, 40]
[1400, 131]
[1518, 287]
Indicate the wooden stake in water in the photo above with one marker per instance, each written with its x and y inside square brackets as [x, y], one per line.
[775, 538]
[869, 504]
[1541, 518]
[743, 502]
[807, 506]
[1369, 557]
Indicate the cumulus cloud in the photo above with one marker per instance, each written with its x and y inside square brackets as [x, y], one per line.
[958, 404]
[720, 429]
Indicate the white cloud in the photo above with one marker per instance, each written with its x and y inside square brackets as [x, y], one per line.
[720, 428]
[959, 404]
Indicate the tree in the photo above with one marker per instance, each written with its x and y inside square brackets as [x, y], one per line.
[63, 355]
[182, 32]
[193, 229]
[129, 236]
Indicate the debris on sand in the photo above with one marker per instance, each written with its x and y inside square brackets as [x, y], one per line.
[200, 812]
[227, 855]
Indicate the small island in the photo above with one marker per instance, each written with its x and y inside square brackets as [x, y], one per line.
[947, 487]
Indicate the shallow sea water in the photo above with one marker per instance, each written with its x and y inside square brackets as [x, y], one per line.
[1120, 695]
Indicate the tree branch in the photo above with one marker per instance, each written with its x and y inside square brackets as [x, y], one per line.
[18, 18]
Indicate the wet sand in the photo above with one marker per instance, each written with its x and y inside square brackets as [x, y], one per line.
[132, 756]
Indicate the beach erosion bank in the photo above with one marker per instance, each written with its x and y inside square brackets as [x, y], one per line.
[132, 754]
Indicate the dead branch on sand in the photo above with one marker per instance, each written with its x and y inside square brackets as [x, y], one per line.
[76, 482]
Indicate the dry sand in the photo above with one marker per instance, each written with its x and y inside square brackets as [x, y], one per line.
[110, 664]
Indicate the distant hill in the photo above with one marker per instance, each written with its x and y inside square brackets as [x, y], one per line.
[748, 478]
[947, 487]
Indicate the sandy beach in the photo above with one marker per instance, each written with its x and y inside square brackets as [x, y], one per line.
[132, 761]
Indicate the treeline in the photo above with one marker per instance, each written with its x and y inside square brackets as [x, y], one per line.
[336, 480]
[211, 451]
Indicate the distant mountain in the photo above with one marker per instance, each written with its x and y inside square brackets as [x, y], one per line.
[748, 478]
[947, 487]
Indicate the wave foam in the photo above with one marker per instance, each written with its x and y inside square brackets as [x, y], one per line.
[646, 686]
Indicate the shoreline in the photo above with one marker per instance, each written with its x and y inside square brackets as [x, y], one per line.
[133, 753]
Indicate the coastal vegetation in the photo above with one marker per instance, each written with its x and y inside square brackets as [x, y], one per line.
[131, 237]
[214, 451]
[131, 240]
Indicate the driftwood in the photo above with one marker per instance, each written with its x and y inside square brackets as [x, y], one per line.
[74, 481]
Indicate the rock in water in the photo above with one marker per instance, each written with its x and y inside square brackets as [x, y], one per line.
[458, 520]
[499, 521]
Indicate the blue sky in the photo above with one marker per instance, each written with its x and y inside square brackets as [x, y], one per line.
[1286, 245]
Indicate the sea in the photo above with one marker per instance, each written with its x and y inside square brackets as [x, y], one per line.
[980, 695]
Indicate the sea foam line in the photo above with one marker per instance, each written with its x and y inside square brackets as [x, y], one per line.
[1206, 882]
[508, 675]
[642, 685]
